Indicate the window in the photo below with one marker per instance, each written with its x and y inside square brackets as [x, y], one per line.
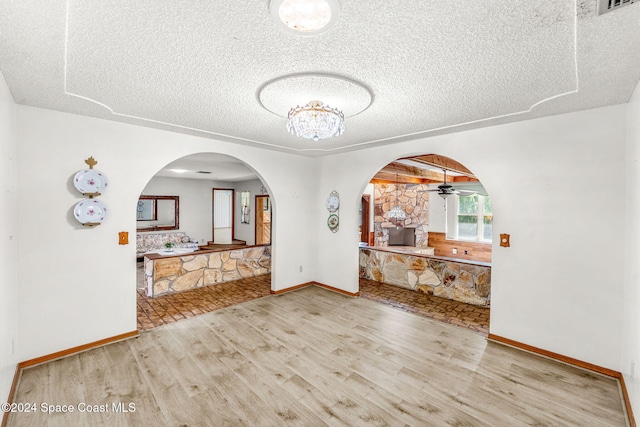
[472, 218]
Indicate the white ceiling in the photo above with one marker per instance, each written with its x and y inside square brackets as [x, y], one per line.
[426, 66]
[208, 166]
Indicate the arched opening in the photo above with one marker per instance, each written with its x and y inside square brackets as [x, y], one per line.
[196, 243]
[429, 245]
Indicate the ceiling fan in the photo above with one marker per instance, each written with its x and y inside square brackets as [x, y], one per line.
[445, 190]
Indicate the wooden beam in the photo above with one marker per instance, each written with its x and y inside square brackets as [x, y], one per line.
[386, 176]
[442, 162]
[413, 171]
[392, 178]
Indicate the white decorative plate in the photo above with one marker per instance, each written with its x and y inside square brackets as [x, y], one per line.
[90, 211]
[90, 181]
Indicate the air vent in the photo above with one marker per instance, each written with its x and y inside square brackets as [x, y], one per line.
[605, 6]
[204, 172]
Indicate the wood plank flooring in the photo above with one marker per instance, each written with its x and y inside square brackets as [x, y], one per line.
[315, 358]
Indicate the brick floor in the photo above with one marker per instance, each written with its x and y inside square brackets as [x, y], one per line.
[453, 312]
[165, 309]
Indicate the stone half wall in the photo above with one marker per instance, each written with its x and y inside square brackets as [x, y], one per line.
[181, 273]
[459, 281]
[414, 200]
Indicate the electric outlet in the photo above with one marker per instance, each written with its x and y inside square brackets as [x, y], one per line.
[454, 250]
[300, 269]
[633, 370]
[466, 252]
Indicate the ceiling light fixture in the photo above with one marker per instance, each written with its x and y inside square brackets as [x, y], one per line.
[315, 121]
[305, 17]
[396, 211]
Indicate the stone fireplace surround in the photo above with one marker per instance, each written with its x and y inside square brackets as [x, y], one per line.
[414, 200]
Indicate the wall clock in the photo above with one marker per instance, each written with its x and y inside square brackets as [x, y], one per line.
[333, 204]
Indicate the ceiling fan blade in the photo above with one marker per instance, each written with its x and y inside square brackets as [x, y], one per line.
[465, 192]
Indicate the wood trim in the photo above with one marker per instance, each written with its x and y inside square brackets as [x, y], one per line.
[340, 291]
[318, 284]
[365, 218]
[58, 355]
[176, 214]
[258, 213]
[627, 401]
[571, 361]
[74, 350]
[293, 288]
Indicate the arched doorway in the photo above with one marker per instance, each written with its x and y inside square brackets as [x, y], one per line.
[432, 224]
[185, 264]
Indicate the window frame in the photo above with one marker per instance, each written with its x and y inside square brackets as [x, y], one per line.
[452, 223]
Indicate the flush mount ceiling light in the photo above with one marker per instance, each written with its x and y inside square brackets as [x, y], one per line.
[315, 121]
[305, 17]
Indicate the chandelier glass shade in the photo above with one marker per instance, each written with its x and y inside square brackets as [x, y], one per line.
[315, 121]
[396, 212]
[305, 15]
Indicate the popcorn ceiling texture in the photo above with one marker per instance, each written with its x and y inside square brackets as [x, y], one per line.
[427, 64]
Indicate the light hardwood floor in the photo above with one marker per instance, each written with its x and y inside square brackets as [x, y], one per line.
[313, 358]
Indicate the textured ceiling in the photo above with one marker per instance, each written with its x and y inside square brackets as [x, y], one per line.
[426, 66]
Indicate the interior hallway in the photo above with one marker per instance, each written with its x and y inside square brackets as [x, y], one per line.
[153, 312]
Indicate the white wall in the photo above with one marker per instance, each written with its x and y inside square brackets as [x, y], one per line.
[559, 286]
[8, 241]
[631, 292]
[77, 284]
[246, 232]
[195, 202]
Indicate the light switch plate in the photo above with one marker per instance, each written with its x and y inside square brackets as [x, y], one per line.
[123, 238]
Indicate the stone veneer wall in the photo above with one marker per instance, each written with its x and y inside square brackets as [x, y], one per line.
[459, 281]
[181, 273]
[413, 198]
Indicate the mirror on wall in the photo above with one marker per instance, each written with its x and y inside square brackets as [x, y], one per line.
[158, 213]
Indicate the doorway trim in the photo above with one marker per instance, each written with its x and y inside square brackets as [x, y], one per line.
[233, 213]
[259, 207]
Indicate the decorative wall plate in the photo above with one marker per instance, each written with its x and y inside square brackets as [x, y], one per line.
[333, 201]
[90, 211]
[90, 181]
[333, 222]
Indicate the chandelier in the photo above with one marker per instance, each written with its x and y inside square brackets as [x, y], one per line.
[315, 121]
[396, 211]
